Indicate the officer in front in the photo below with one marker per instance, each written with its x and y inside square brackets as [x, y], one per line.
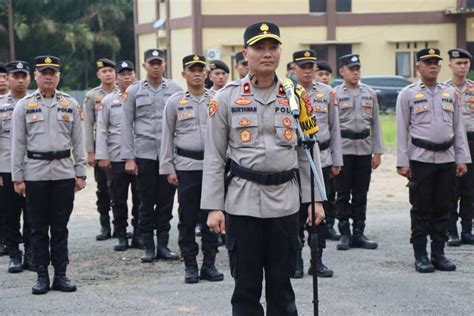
[47, 128]
[250, 122]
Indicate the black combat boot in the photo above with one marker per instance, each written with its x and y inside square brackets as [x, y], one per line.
[27, 260]
[358, 238]
[466, 234]
[136, 240]
[438, 258]
[345, 241]
[209, 271]
[332, 233]
[122, 241]
[453, 240]
[61, 282]
[422, 263]
[42, 283]
[299, 271]
[104, 232]
[323, 271]
[149, 244]
[15, 260]
[163, 252]
[191, 274]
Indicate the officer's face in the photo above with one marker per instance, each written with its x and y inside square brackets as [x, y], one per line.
[351, 75]
[242, 68]
[48, 79]
[3, 82]
[195, 75]
[264, 56]
[323, 76]
[429, 69]
[106, 75]
[125, 78]
[19, 81]
[460, 66]
[219, 77]
[305, 73]
[155, 68]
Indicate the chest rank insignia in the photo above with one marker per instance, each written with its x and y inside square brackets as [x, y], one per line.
[243, 101]
[190, 114]
[183, 101]
[419, 96]
[64, 103]
[446, 95]
[246, 88]
[320, 95]
[181, 116]
[283, 102]
[286, 122]
[244, 122]
[245, 136]
[99, 97]
[66, 117]
[32, 105]
[288, 134]
[212, 107]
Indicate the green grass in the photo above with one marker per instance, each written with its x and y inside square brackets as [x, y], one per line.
[389, 129]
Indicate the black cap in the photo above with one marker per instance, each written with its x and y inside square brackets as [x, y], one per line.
[288, 66]
[324, 65]
[302, 57]
[428, 53]
[18, 66]
[218, 64]
[349, 60]
[104, 62]
[3, 68]
[459, 53]
[124, 65]
[191, 60]
[239, 58]
[259, 31]
[47, 62]
[153, 54]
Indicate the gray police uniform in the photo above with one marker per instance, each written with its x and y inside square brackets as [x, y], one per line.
[45, 132]
[430, 140]
[108, 142]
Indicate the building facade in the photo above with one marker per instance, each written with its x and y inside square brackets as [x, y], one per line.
[386, 33]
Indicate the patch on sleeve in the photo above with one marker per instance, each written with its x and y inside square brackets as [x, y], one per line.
[334, 98]
[212, 107]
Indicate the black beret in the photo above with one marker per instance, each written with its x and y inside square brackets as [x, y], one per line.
[459, 53]
[18, 66]
[324, 65]
[239, 58]
[259, 31]
[218, 64]
[104, 62]
[47, 62]
[191, 60]
[428, 53]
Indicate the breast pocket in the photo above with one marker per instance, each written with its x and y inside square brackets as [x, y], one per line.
[6, 122]
[285, 130]
[34, 123]
[144, 107]
[186, 119]
[345, 111]
[245, 129]
[65, 122]
[448, 112]
[421, 113]
[367, 109]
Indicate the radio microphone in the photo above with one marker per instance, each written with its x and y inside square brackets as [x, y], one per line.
[289, 88]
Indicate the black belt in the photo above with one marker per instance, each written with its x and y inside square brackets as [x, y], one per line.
[426, 144]
[324, 145]
[196, 155]
[264, 178]
[49, 155]
[470, 136]
[347, 133]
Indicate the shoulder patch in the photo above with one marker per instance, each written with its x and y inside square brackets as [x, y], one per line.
[212, 107]
[335, 101]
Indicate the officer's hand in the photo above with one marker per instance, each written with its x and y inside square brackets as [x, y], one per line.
[376, 160]
[216, 221]
[131, 167]
[461, 169]
[335, 170]
[91, 159]
[404, 171]
[20, 188]
[105, 164]
[80, 184]
[172, 179]
[1, 182]
[319, 211]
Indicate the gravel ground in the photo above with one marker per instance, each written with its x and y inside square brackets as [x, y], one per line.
[377, 282]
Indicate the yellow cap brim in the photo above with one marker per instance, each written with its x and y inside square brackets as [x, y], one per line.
[192, 62]
[260, 37]
[430, 57]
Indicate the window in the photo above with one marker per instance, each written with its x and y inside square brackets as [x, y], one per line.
[317, 6]
[343, 5]
[403, 64]
[470, 4]
[470, 48]
[321, 51]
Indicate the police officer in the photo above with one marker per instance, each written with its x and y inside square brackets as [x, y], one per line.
[12, 204]
[459, 63]
[140, 147]
[329, 142]
[362, 147]
[46, 129]
[241, 65]
[184, 130]
[323, 75]
[106, 74]
[218, 74]
[108, 157]
[431, 150]
[250, 120]
[3, 92]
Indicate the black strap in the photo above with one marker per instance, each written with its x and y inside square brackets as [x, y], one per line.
[324, 145]
[347, 133]
[426, 144]
[470, 136]
[49, 155]
[264, 178]
[196, 155]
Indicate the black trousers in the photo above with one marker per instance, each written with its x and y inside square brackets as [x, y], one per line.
[156, 198]
[257, 246]
[352, 186]
[102, 192]
[464, 194]
[431, 197]
[119, 183]
[50, 205]
[330, 204]
[190, 213]
[321, 229]
[11, 207]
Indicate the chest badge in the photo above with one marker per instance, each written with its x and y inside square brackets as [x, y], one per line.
[245, 136]
[243, 101]
[244, 122]
[288, 134]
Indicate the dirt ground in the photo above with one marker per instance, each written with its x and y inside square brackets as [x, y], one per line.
[376, 282]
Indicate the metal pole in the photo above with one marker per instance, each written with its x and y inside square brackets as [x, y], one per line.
[11, 38]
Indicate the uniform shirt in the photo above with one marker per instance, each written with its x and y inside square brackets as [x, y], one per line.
[141, 122]
[327, 117]
[257, 133]
[184, 126]
[432, 116]
[109, 120]
[91, 104]
[45, 125]
[467, 103]
[359, 111]
[7, 105]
